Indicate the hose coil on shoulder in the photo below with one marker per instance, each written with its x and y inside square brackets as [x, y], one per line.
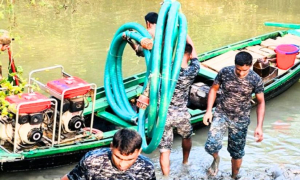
[163, 65]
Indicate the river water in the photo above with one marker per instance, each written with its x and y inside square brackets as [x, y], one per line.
[77, 35]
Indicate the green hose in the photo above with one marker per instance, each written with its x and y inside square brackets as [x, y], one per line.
[169, 78]
[171, 28]
[113, 79]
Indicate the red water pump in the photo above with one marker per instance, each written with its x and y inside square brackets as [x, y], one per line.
[71, 91]
[71, 94]
[25, 127]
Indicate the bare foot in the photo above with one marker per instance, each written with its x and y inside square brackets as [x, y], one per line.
[187, 163]
[235, 176]
[214, 168]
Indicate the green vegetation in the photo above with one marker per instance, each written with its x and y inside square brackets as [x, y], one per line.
[8, 88]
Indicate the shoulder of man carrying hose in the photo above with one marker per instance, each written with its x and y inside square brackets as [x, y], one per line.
[189, 69]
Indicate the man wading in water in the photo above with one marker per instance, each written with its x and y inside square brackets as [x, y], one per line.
[233, 111]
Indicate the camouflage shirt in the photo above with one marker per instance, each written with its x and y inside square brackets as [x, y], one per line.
[236, 96]
[97, 165]
[182, 89]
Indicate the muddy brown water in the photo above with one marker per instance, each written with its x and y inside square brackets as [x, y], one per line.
[77, 35]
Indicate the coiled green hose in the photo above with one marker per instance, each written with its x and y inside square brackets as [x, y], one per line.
[163, 70]
[113, 79]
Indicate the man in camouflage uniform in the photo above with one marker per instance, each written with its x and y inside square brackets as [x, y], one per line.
[178, 115]
[121, 161]
[233, 111]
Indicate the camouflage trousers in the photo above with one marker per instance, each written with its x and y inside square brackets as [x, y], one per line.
[237, 132]
[180, 121]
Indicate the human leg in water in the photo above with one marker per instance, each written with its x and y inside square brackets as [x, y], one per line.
[214, 140]
[214, 167]
[237, 133]
[165, 161]
[235, 167]
[186, 148]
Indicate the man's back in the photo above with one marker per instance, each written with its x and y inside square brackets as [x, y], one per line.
[185, 79]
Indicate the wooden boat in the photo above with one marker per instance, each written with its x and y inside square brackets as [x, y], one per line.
[57, 152]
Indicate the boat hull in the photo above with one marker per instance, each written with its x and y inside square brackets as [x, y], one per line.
[63, 155]
[43, 162]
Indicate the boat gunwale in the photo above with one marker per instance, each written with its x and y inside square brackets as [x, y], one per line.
[137, 79]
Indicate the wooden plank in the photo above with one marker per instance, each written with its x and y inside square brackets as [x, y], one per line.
[270, 43]
[208, 68]
[287, 40]
[226, 62]
[218, 59]
[262, 50]
[217, 63]
[293, 36]
[254, 55]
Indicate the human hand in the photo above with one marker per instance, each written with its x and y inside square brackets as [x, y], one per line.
[258, 134]
[262, 60]
[147, 43]
[142, 102]
[207, 118]
[124, 36]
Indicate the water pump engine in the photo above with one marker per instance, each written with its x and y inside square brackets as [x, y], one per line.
[70, 94]
[25, 127]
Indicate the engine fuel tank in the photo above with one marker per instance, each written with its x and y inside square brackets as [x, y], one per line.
[33, 107]
[62, 84]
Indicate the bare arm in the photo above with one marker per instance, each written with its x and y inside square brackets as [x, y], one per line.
[189, 40]
[65, 177]
[132, 44]
[260, 111]
[210, 102]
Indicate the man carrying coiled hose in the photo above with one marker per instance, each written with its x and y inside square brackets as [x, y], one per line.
[178, 116]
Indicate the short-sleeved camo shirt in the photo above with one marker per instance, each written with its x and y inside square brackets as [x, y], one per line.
[97, 165]
[235, 100]
[178, 115]
[182, 89]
